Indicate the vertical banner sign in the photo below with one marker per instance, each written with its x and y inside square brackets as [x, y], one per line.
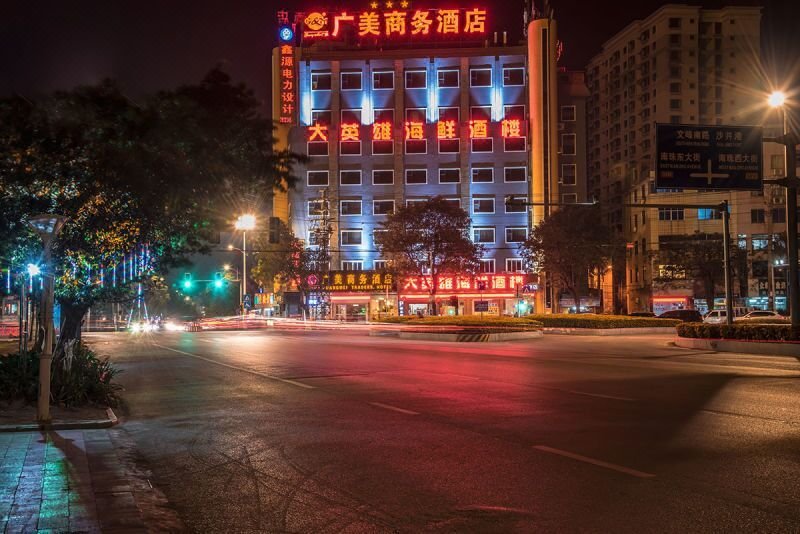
[288, 89]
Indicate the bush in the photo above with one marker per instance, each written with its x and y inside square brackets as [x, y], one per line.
[590, 320]
[746, 331]
[466, 320]
[77, 379]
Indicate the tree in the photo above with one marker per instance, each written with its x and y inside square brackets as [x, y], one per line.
[429, 238]
[698, 257]
[284, 260]
[569, 245]
[152, 181]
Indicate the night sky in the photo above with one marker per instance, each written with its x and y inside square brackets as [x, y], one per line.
[153, 44]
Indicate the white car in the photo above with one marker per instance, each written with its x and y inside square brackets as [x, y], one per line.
[761, 314]
[716, 317]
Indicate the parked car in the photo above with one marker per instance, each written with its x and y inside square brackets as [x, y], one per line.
[761, 314]
[687, 316]
[642, 314]
[720, 316]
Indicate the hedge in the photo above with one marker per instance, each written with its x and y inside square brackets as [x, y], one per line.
[590, 320]
[744, 331]
[466, 320]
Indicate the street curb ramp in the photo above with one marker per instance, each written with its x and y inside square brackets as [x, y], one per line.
[84, 424]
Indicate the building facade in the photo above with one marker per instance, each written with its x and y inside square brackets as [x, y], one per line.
[388, 123]
[680, 65]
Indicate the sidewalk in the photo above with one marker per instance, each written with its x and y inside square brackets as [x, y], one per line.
[72, 481]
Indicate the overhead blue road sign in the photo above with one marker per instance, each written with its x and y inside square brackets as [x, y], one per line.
[692, 156]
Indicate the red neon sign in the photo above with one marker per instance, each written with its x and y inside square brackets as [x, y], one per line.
[288, 104]
[415, 130]
[493, 283]
[479, 129]
[511, 128]
[446, 129]
[382, 131]
[350, 132]
[317, 132]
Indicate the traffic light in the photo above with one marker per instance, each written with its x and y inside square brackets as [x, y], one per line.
[187, 281]
[218, 280]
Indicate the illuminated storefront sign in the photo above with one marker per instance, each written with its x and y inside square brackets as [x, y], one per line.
[382, 131]
[350, 132]
[485, 283]
[415, 130]
[479, 129]
[317, 132]
[338, 281]
[288, 92]
[511, 128]
[393, 23]
[446, 129]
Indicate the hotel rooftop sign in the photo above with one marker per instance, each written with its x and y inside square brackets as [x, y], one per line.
[388, 22]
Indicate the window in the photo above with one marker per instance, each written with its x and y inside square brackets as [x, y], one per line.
[378, 235]
[675, 87]
[383, 115]
[480, 113]
[350, 116]
[320, 81]
[453, 202]
[674, 22]
[675, 104]
[480, 77]
[482, 145]
[383, 79]
[317, 178]
[518, 205]
[449, 146]
[416, 146]
[317, 148]
[675, 39]
[416, 114]
[380, 265]
[416, 176]
[515, 174]
[447, 78]
[778, 215]
[569, 198]
[516, 234]
[410, 201]
[567, 113]
[568, 142]
[482, 175]
[670, 214]
[350, 238]
[416, 79]
[352, 265]
[351, 81]
[760, 241]
[515, 265]
[449, 176]
[349, 177]
[316, 208]
[321, 116]
[350, 207]
[449, 114]
[350, 148]
[568, 174]
[483, 204]
[486, 266]
[483, 234]
[757, 216]
[383, 177]
[382, 147]
[514, 112]
[382, 207]
[513, 76]
[708, 214]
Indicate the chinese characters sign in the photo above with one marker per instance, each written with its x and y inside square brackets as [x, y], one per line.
[487, 283]
[393, 23]
[337, 281]
[288, 81]
[415, 130]
[708, 157]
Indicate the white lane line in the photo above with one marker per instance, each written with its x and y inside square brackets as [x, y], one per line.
[215, 362]
[393, 408]
[599, 395]
[600, 463]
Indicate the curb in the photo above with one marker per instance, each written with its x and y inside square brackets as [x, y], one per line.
[85, 424]
[608, 331]
[470, 337]
[790, 350]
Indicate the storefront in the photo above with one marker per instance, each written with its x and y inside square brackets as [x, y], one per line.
[488, 294]
[663, 303]
[357, 295]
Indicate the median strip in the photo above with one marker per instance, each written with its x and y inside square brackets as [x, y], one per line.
[215, 362]
[393, 408]
[600, 463]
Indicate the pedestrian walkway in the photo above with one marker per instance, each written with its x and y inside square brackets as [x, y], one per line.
[68, 481]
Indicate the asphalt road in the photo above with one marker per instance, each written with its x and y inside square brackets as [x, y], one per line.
[337, 431]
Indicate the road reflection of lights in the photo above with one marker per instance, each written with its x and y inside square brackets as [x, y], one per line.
[172, 327]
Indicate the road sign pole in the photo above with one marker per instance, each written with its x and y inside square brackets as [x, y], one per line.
[726, 250]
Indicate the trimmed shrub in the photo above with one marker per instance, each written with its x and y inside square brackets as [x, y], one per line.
[77, 379]
[466, 320]
[745, 331]
[590, 320]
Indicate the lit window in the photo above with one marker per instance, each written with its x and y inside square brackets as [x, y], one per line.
[515, 265]
[380, 265]
[486, 266]
[352, 265]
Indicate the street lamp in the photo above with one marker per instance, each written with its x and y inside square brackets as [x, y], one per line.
[777, 100]
[244, 223]
[47, 226]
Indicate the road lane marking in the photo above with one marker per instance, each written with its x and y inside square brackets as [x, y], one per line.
[246, 370]
[600, 463]
[599, 395]
[393, 408]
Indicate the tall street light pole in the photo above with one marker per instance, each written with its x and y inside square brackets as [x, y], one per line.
[777, 100]
[244, 223]
[47, 226]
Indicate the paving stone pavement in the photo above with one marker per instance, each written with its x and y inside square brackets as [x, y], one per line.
[76, 481]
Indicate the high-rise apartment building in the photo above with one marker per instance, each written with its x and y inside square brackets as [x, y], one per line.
[680, 65]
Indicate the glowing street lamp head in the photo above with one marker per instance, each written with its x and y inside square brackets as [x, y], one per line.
[33, 269]
[226, 267]
[776, 99]
[246, 222]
